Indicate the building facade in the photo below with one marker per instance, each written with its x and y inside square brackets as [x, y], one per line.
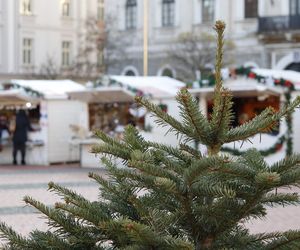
[36, 34]
[265, 33]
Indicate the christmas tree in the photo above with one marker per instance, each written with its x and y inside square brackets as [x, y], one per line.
[175, 197]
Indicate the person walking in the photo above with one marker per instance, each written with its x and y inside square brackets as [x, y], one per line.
[22, 126]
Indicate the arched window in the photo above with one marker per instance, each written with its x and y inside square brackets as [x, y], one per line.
[168, 13]
[131, 14]
[129, 73]
[167, 72]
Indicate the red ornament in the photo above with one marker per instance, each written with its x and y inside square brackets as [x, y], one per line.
[276, 82]
[252, 75]
[288, 84]
[278, 146]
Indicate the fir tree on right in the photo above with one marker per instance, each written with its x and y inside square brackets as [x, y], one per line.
[175, 197]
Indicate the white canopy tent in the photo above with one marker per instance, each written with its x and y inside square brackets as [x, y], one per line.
[158, 87]
[55, 113]
[15, 97]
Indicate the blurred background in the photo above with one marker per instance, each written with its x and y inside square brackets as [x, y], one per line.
[82, 39]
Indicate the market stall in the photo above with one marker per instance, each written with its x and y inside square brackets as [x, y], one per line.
[110, 107]
[252, 93]
[50, 113]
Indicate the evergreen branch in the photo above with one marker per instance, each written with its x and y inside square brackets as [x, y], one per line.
[288, 163]
[105, 184]
[222, 109]
[290, 178]
[15, 240]
[273, 199]
[128, 174]
[212, 189]
[221, 119]
[109, 140]
[192, 116]
[91, 215]
[144, 237]
[219, 28]
[71, 196]
[165, 119]
[65, 225]
[143, 163]
[193, 152]
[287, 240]
[261, 123]
[46, 240]
[197, 167]
[120, 152]
[133, 139]
[175, 152]
[173, 165]
[253, 159]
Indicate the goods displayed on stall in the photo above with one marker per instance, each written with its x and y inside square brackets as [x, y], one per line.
[246, 108]
[14, 97]
[50, 114]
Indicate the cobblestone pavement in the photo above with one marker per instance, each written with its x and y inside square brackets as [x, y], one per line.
[18, 181]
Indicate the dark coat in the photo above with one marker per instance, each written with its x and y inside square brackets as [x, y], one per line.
[22, 127]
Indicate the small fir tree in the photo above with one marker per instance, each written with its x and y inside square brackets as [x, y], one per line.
[175, 197]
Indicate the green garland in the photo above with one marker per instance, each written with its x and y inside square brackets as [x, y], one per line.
[27, 90]
[135, 91]
[286, 84]
[274, 149]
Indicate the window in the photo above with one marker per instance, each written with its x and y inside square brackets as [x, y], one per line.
[294, 7]
[129, 73]
[26, 7]
[251, 8]
[167, 72]
[100, 10]
[66, 53]
[27, 51]
[168, 13]
[65, 7]
[208, 10]
[131, 13]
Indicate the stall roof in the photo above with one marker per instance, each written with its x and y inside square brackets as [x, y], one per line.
[102, 95]
[50, 89]
[290, 75]
[15, 97]
[241, 87]
[156, 86]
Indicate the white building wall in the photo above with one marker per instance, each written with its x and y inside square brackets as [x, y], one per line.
[46, 26]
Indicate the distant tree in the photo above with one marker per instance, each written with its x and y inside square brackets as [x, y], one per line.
[194, 52]
[50, 69]
[99, 49]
